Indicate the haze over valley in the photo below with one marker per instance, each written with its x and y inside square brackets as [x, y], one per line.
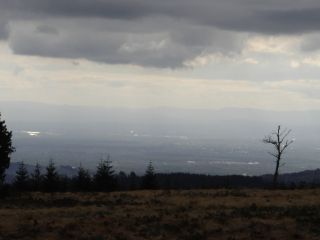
[226, 141]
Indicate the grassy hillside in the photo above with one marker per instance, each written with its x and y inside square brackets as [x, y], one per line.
[204, 214]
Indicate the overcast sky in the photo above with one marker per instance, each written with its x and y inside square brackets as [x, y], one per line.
[169, 53]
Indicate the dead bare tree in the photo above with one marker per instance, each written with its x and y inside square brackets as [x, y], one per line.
[279, 140]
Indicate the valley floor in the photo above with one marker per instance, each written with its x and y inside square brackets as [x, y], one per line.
[202, 214]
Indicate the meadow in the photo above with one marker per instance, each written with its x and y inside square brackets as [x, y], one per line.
[163, 214]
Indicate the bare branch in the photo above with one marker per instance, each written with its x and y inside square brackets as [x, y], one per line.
[272, 154]
[269, 139]
[286, 145]
[285, 135]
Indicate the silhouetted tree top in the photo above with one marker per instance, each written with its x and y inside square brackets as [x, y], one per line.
[6, 149]
[22, 177]
[104, 177]
[51, 177]
[150, 169]
[83, 179]
[149, 178]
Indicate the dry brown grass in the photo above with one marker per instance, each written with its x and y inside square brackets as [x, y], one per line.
[203, 214]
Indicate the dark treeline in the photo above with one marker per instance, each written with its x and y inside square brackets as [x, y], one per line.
[47, 179]
[105, 179]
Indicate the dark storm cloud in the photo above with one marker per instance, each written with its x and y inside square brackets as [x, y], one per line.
[121, 9]
[283, 16]
[163, 33]
[280, 21]
[104, 42]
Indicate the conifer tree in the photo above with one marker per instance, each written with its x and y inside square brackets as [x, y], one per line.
[51, 178]
[149, 180]
[22, 177]
[36, 178]
[6, 149]
[104, 178]
[83, 179]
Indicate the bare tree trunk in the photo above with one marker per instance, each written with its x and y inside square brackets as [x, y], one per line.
[276, 173]
[278, 147]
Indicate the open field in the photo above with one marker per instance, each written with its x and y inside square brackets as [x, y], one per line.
[204, 214]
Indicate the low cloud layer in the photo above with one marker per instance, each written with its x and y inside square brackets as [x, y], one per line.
[164, 34]
[108, 41]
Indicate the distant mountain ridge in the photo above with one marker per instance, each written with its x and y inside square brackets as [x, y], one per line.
[95, 121]
[307, 176]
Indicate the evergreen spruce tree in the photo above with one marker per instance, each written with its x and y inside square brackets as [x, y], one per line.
[6, 149]
[51, 178]
[22, 178]
[104, 178]
[36, 178]
[83, 180]
[149, 180]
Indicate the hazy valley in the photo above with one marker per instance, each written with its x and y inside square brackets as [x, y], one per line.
[226, 141]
